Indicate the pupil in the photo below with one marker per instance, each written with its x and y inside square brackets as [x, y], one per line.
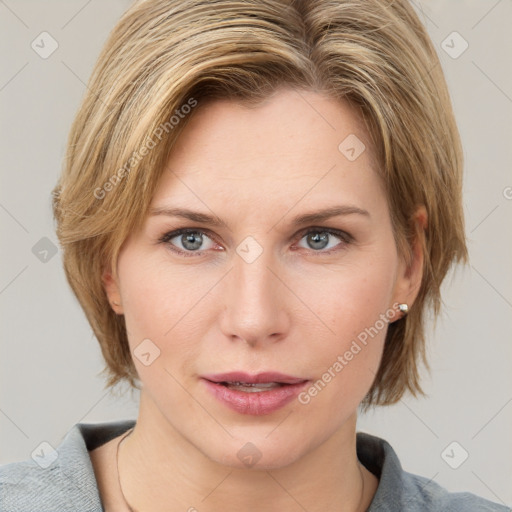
[318, 240]
[191, 241]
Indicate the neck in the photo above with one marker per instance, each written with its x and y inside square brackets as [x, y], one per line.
[161, 470]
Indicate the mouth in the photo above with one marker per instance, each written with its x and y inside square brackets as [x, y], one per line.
[247, 387]
[257, 378]
[257, 394]
[264, 380]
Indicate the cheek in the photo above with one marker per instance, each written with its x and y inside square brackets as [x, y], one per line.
[162, 304]
[351, 298]
[355, 304]
[141, 295]
[346, 363]
[154, 298]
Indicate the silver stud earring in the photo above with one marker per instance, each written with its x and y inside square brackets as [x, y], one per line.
[404, 308]
[115, 303]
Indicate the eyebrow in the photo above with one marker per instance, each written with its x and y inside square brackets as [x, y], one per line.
[334, 211]
[306, 218]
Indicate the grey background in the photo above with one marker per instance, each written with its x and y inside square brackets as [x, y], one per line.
[49, 359]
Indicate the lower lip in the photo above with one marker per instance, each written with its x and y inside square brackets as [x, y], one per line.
[258, 402]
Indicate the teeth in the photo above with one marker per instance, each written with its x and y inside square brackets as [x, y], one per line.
[252, 388]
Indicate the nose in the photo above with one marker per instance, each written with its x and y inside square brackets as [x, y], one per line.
[254, 302]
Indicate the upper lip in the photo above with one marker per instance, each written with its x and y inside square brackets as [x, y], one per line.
[263, 377]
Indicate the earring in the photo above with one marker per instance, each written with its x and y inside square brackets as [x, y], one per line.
[404, 308]
[115, 303]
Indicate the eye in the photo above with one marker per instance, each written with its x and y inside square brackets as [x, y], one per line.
[319, 239]
[188, 241]
[194, 242]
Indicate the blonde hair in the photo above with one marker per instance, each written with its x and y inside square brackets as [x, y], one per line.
[164, 55]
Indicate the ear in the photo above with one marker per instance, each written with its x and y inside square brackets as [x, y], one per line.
[410, 273]
[111, 286]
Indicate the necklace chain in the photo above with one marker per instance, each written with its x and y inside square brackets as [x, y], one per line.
[359, 465]
[117, 467]
[132, 510]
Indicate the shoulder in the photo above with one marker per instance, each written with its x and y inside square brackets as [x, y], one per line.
[57, 479]
[400, 490]
[24, 485]
[423, 494]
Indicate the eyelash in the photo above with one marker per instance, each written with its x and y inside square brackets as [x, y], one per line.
[345, 239]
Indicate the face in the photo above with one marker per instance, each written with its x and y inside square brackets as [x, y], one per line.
[260, 287]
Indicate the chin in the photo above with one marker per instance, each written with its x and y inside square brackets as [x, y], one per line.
[260, 454]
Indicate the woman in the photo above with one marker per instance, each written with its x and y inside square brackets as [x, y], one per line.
[260, 201]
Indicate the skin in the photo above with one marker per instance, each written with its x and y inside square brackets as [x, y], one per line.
[294, 309]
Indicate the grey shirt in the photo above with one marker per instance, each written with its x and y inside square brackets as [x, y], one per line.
[64, 480]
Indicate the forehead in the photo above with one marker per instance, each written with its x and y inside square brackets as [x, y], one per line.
[282, 122]
[293, 146]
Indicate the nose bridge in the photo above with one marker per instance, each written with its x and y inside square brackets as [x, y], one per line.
[253, 305]
[254, 280]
